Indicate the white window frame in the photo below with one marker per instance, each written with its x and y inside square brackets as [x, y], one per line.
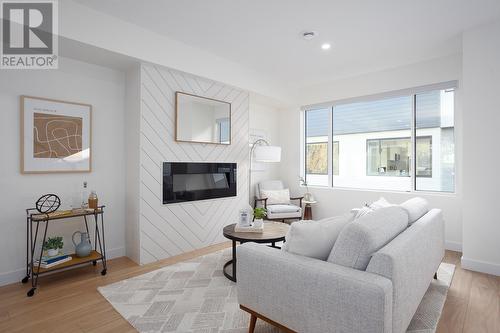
[398, 93]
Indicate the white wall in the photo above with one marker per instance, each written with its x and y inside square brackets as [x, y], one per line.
[77, 82]
[265, 117]
[338, 201]
[481, 75]
[132, 151]
[170, 229]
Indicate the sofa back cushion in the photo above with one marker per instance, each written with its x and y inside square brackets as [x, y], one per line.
[315, 239]
[360, 239]
[416, 208]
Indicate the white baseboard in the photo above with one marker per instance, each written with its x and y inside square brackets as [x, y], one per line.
[17, 275]
[481, 266]
[453, 246]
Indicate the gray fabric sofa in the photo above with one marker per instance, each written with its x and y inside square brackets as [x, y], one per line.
[303, 294]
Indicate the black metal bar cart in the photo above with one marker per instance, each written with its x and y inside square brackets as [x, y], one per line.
[36, 221]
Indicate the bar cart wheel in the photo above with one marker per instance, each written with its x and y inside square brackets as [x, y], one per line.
[104, 272]
[25, 279]
[31, 292]
[94, 262]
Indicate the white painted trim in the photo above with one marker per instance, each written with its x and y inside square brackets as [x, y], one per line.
[384, 95]
[453, 246]
[17, 275]
[481, 266]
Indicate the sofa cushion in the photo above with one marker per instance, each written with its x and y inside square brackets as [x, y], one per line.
[370, 208]
[315, 239]
[416, 208]
[279, 209]
[366, 235]
[380, 203]
[276, 197]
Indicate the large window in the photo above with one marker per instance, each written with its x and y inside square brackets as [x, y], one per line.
[316, 148]
[403, 143]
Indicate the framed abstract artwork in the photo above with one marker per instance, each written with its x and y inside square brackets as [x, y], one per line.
[56, 136]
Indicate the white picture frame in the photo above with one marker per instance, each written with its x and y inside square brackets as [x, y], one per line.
[56, 136]
[244, 218]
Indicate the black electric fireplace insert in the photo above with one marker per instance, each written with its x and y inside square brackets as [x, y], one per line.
[191, 181]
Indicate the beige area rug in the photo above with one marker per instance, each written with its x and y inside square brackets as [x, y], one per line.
[194, 296]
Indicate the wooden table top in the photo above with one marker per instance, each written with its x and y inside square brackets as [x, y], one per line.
[273, 232]
[66, 214]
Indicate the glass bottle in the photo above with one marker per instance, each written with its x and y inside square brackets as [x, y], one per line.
[85, 195]
[93, 200]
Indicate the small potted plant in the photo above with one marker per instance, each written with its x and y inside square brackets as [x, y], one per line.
[258, 215]
[53, 245]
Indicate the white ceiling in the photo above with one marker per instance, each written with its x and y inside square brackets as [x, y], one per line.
[264, 35]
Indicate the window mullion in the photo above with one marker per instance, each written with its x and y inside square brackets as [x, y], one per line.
[413, 164]
[330, 147]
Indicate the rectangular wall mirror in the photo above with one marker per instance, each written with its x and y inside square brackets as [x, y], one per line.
[202, 120]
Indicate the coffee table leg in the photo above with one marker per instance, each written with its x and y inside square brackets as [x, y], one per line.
[231, 262]
[234, 260]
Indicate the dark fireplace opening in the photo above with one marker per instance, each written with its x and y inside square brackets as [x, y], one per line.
[190, 181]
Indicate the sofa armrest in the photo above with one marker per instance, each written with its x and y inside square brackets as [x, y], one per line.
[410, 261]
[309, 295]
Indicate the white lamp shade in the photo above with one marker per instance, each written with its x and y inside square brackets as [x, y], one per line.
[267, 154]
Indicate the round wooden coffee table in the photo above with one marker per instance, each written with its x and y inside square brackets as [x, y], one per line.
[273, 232]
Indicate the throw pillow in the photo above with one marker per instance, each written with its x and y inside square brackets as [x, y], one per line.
[369, 208]
[380, 203]
[315, 239]
[363, 211]
[416, 208]
[358, 241]
[276, 197]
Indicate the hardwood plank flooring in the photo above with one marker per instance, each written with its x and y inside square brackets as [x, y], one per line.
[69, 301]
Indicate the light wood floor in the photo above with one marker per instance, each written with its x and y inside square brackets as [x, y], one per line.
[69, 301]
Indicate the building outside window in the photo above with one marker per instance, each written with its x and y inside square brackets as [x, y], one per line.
[316, 148]
[371, 143]
[391, 157]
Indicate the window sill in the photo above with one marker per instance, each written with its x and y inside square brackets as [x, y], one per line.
[425, 193]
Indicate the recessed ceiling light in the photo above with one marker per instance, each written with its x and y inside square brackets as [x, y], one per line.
[326, 46]
[308, 35]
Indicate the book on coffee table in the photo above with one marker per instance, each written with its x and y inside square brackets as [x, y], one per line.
[238, 228]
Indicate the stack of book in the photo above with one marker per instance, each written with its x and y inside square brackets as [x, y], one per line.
[48, 262]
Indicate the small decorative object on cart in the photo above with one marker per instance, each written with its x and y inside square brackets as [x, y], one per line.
[84, 248]
[85, 196]
[48, 203]
[53, 246]
[93, 200]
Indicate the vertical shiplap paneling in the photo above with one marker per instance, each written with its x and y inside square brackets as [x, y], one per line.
[167, 230]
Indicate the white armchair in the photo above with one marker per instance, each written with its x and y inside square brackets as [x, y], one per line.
[283, 211]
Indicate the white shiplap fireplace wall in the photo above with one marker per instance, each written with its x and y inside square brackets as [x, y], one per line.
[168, 230]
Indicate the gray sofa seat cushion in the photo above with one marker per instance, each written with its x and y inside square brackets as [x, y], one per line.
[360, 239]
[416, 208]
